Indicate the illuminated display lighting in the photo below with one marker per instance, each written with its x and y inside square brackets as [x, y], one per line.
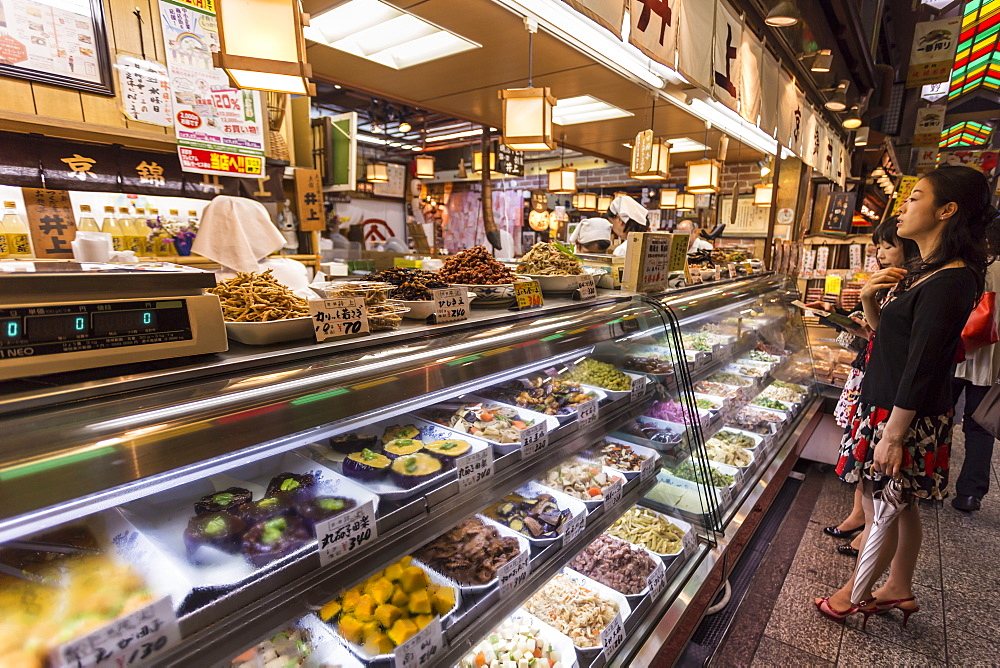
[977, 57]
[968, 133]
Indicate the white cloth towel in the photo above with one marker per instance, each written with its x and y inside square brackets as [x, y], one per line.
[237, 233]
[628, 209]
[590, 230]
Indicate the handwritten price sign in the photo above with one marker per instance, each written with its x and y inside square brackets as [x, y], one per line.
[474, 468]
[422, 648]
[450, 305]
[587, 412]
[513, 572]
[534, 439]
[613, 494]
[574, 527]
[528, 295]
[587, 287]
[337, 318]
[137, 639]
[612, 637]
[346, 532]
[648, 468]
[656, 580]
[638, 388]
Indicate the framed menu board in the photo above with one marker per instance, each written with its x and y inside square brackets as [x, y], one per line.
[58, 42]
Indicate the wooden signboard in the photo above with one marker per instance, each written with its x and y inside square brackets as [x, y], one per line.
[309, 200]
[647, 261]
[50, 219]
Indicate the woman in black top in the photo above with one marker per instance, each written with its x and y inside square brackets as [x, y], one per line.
[902, 425]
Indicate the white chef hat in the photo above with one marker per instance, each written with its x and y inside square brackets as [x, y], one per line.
[590, 230]
[628, 209]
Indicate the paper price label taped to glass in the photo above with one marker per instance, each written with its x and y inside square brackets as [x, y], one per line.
[422, 647]
[337, 318]
[613, 636]
[514, 572]
[587, 287]
[474, 468]
[346, 533]
[638, 388]
[657, 580]
[534, 439]
[738, 478]
[587, 412]
[574, 527]
[136, 639]
[528, 295]
[613, 494]
[725, 496]
[450, 305]
[689, 541]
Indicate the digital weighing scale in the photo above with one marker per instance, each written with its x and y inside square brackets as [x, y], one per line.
[64, 316]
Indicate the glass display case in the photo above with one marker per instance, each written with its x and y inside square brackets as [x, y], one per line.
[393, 501]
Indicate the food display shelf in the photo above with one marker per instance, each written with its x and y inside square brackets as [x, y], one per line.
[218, 630]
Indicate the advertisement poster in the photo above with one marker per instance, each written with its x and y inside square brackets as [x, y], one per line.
[984, 161]
[903, 190]
[839, 213]
[930, 123]
[926, 159]
[50, 37]
[220, 129]
[933, 51]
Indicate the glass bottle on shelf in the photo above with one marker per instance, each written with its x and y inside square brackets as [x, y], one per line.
[166, 241]
[87, 223]
[137, 232]
[111, 226]
[15, 230]
[121, 233]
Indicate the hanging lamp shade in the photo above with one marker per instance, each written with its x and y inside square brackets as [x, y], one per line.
[783, 15]
[587, 201]
[424, 166]
[261, 46]
[685, 202]
[861, 136]
[668, 198]
[650, 158]
[562, 181]
[477, 162]
[377, 172]
[527, 118]
[604, 202]
[577, 198]
[703, 176]
[763, 194]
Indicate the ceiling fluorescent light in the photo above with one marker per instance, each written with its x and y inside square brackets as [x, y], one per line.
[585, 109]
[726, 120]
[379, 32]
[454, 135]
[685, 145]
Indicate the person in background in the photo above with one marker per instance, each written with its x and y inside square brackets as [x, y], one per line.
[592, 235]
[626, 215]
[902, 425]
[890, 251]
[974, 376]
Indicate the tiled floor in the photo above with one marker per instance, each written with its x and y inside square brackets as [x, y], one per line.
[957, 584]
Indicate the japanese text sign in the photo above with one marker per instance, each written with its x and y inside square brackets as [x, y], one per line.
[309, 200]
[50, 219]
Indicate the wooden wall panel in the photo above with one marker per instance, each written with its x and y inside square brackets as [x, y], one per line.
[15, 95]
[56, 102]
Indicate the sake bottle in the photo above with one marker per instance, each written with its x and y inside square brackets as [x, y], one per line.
[111, 226]
[125, 227]
[15, 230]
[87, 223]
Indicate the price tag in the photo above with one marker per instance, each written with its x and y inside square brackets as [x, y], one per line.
[656, 580]
[474, 468]
[528, 295]
[346, 533]
[450, 304]
[738, 478]
[689, 541]
[648, 468]
[613, 636]
[514, 572]
[337, 318]
[421, 648]
[587, 287]
[612, 494]
[725, 496]
[587, 412]
[136, 639]
[534, 439]
[574, 527]
[638, 388]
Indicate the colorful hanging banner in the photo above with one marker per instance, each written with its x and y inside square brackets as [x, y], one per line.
[984, 161]
[220, 129]
[930, 122]
[933, 51]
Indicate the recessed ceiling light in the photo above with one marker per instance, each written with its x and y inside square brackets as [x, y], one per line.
[585, 109]
[379, 32]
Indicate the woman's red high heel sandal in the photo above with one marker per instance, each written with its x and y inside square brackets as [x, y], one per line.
[886, 606]
[825, 609]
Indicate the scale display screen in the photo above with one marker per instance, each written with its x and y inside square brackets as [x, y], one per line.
[47, 330]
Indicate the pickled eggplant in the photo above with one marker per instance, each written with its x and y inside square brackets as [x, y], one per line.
[266, 508]
[323, 507]
[298, 486]
[219, 530]
[275, 538]
[222, 501]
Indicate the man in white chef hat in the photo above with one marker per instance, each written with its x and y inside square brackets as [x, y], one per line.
[626, 215]
[592, 235]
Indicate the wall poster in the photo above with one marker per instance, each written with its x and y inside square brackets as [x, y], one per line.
[58, 42]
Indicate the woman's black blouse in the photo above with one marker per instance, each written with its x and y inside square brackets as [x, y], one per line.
[912, 360]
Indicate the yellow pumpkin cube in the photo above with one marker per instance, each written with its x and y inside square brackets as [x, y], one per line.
[394, 572]
[330, 610]
[387, 614]
[402, 631]
[379, 644]
[444, 600]
[413, 578]
[423, 620]
[380, 590]
[350, 628]
[399, 598]
[420, 603]
[365, 608]
[350, 599]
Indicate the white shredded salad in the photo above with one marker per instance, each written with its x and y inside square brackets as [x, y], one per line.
[573, 610]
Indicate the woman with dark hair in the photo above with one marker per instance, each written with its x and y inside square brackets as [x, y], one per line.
[891, 251]
[902, 425]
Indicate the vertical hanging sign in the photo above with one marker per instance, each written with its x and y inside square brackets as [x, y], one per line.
[727, 57]
[653, 28]
[220, 129]
[930, 123]
[309, 200]
[933, 51]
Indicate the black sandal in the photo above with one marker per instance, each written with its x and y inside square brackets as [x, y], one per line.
[847, 551]
[846, 533]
